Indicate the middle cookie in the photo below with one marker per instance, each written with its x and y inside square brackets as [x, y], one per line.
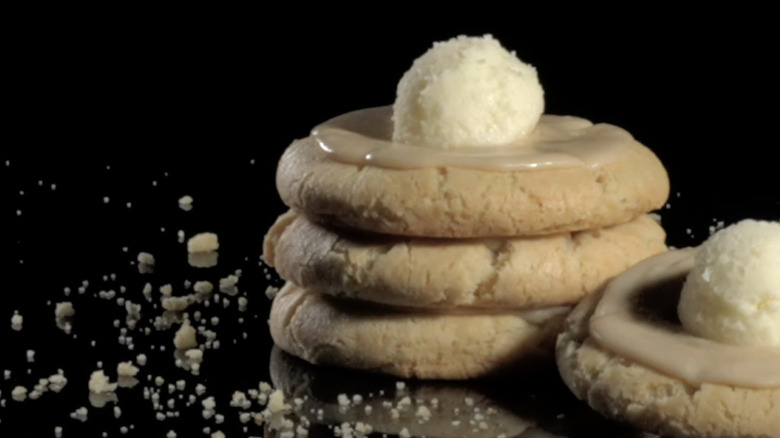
[519, 272]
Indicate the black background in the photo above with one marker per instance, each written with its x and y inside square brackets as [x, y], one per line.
[147, 106]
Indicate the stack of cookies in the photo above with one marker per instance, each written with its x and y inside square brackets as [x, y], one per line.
[448, 273]
[421, 259]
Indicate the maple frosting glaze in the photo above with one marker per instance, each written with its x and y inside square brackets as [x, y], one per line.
[616, 326]
[363, 137]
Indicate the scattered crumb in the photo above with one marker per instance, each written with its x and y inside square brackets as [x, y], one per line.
[185, 202]
[79, 414]
[276, 402]
[64, 310]
[423, 413]
[99, 384]
[228, 285]
[203, 242]
[126, 369]
[145, 258]
[271, 292]
[16, 321]
[185, 337]
[19, 393]
[177, 304]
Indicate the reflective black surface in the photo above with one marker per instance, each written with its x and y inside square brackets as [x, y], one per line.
[107, 132]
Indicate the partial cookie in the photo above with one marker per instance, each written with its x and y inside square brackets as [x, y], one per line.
[449, 273]
[462, 202]
[625, 390]
[408, 343]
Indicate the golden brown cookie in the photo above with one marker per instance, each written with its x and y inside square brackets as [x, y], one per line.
[624, 389]
[449, 273]
[450, 201]
[406, 342]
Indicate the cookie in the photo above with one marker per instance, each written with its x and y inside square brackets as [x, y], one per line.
[455, 201]
[405, 342]
[624, 389]
[450, 273]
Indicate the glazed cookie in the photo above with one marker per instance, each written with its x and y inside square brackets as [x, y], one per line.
[449, 273]
[405, 342]
[590, 176]
[648, 392]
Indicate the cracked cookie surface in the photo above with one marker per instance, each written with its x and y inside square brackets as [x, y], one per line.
[450, 273]
[406, 342]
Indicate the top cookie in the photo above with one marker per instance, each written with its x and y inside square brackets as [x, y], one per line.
[457, 200]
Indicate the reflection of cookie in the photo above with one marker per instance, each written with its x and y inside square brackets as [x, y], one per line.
[407, 343]
[625, 390]
[451, 406]
[496, 272]
[460, 202]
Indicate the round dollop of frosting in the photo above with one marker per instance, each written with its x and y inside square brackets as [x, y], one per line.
[466, 92]
[732, 294]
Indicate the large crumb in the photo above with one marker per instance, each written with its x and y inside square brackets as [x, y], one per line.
[99, 384]
[185, 337]
[203, 242]
[145, 258]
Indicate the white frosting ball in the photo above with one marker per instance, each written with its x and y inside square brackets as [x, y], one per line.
[467, 91]
[732, 295]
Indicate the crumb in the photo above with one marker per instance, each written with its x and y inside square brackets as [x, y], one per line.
[203, 242]
[57, 381]
[16, 321]
[19, 393]
[406, 401]
[185, 337]
[145, 258]
[99, 384]
[271, 292]
[126, 369]
[79, 414]
[185, 202]
[166, 290]
[177, 304]
[423, 413]
[228, 285]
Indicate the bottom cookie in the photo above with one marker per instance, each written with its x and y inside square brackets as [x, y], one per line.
[625, 390]
[409, 343]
